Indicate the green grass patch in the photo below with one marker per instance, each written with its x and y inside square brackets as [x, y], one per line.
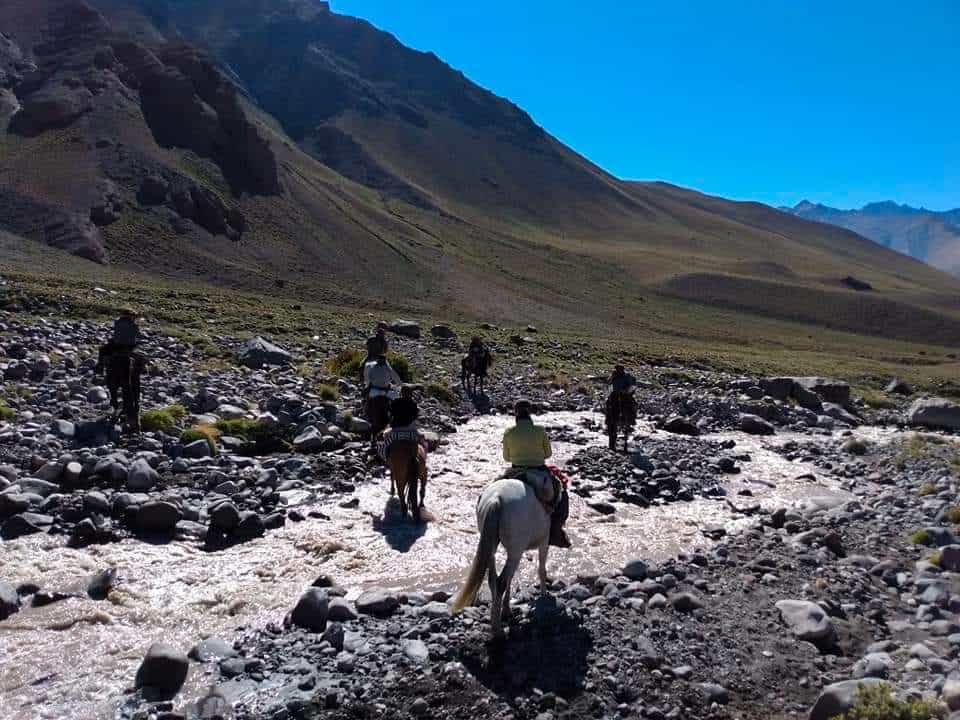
[402, 366]
[952, 515]
[201, 432]
[6, 413]
[346, 363]
[441, 392]
[921, 537]
[927, 489]
[245, 429]
[328, 393]
[955, 465]
[163, 420]
[935, 558]
[878, 703]
[877, 399]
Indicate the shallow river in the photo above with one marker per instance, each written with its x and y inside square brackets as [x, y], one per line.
[73, 659]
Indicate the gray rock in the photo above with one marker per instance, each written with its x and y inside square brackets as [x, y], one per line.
[407, 328]
[377, 601]
[416, 651]
[442, 331]
[310, 440]
[934, 413]
[312, 610]
[34, 486]
[807, 621]
[63, 428]
[635, 570]
[899, 387]
[340, 611]
[141, 477]
[225, 517]
[257, 352]
[715, 693]
[835, 391]
[950, 558]
[755, 425]
[20, 525]
[9, 600]
[836, 699]
[158, 516]
[951, 693]
[163, 670]
[681, 426]
[686, 602]
[197, 449]
[211, 649]
[873, 665]
[231, 412]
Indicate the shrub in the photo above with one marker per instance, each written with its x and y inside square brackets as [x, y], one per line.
[921, 537]
[245, 429]
[6, 413]
[878, 703]
[201, 432]
[955, 465]
[877, 400]
[440, 392]
[163, 419]
[928, 489]
[328, 393]
[952, 515]
[401, 365]
[346, 363]
[934, 558]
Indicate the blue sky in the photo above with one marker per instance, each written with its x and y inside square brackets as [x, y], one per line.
[837, 102]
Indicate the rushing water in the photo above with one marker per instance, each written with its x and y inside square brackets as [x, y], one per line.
[74, 658]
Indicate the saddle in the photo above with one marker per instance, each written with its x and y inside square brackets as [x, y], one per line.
[542, 481]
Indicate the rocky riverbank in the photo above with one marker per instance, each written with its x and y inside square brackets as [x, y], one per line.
[859, 582]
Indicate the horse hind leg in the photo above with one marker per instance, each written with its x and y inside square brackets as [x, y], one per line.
[542, 565]
[503, 586]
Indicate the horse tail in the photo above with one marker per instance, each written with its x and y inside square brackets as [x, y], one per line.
[486, 547]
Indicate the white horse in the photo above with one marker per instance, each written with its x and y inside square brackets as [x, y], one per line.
[509, 513]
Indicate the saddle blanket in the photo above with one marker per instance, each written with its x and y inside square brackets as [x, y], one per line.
[378, 392]
[543, 482]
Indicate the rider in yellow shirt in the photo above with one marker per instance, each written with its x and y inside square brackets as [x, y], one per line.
[527, 447]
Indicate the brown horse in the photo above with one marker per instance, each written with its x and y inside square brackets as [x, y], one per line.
[124, 370]
[473, 371]
[621, 418]
[404, 465]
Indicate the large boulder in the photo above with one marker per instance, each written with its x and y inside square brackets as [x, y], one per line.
[834, 391]
[934, 413]
[163, 671]
[312, 610]
[444, 332]
[53, 106]
[837, 699]
[141, 477]
[407, 328]
[158, 516]
[754, 425]
[681, 426]
[808, 621]
[899, 387]
[258, 352]
[377, 601]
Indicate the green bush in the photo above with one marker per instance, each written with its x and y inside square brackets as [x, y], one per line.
[952, 515]
[245, 429]
[201, 432]
[440, 392]
[921, 537]
[6, 413]
[328, 393]
[163, 419]
[400, 363]
[346, 363]
[927, 489]
[878, 703]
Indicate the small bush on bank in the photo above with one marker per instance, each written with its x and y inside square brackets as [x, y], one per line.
[201, 432]
[163, 419]
[878, 703]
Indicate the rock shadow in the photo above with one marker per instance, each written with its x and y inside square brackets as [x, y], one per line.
[547, 649]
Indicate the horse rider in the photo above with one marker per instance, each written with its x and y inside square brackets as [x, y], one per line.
[126, 336]
[377, 345]
[477, 352]
[404, 413]
[526, 447]
[622, 385]
[379, 378]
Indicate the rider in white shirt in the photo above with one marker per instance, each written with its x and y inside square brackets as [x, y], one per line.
[379, 378]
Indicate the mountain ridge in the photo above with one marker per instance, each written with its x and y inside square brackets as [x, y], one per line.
[929, 235]
[396, 180]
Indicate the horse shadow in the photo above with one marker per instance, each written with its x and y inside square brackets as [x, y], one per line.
[400, 533]
[547, 649]
[481, 401]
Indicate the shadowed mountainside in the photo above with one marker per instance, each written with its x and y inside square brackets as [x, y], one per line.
[274, 145]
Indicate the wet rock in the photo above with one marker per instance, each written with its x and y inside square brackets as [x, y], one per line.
[754, 425]
[340, 611]
[715, 693]
[24, 524]
[377, 601]
[196, 449]
[416, 651]
[685, 602]
[312, 610]
[101, 584]
[9, 600]
[225, 517]
[836, 699]
[635, 570]
[211, 649]
[681, 426]
[158, 516]
[163, 671]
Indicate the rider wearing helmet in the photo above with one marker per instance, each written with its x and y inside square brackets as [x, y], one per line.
[526, 447]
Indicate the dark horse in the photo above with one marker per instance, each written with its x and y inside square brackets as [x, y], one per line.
[378, 414]
[473, 371]
[123, 377]
[621, 418]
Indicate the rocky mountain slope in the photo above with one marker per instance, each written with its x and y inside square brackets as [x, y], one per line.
[927, 235]
[277, 146]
